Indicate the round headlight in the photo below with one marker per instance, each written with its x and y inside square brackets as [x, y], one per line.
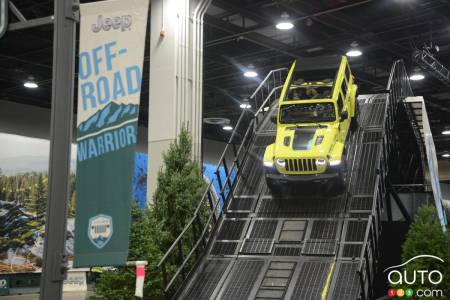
[321, 162]
[281, 162]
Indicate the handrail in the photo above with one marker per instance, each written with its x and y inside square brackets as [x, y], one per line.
[263, 105]
[265, 79]
[226, 185]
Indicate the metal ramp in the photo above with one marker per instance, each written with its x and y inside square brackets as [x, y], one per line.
[309, 246]
[294, 248]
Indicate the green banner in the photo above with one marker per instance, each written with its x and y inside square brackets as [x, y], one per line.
[112, 37]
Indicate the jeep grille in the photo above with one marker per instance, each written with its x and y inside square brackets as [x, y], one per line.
[302, 164]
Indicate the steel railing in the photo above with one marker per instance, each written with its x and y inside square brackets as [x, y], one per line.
[189, 247]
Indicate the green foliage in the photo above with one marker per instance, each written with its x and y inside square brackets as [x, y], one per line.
[425, 236]
[180, 186]
[153, 230]
[40, 198]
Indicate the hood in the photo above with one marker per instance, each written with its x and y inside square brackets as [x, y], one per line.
[309, 140]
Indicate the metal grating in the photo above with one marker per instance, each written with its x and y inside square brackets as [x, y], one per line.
[360, 215]
[311, 281]
[262, 140]
[206, 282]
[307, 207]
[347, 284]
[241, 203]
[231, 215]
[361, 203]
[243, 277]
[257, 246]
[324, 229]
[287, 251]
[224, 248]
[352, 250]
[231, 229]
[276, 280]
[319, 248]
[376, 116]
[366, 171]
[264, 229]
[372, 136]
[292, 231]
[356, 231]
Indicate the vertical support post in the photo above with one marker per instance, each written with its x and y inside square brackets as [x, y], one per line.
[3, 17]
[54, 270]
[228, 181]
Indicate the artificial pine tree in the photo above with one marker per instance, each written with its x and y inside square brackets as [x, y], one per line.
[180, 186]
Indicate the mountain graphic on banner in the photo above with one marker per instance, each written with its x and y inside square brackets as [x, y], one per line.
[110, 115]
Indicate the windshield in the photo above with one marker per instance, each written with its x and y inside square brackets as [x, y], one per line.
[309, 92]
[307, 113]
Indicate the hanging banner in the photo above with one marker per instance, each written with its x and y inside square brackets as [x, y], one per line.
[112, 41]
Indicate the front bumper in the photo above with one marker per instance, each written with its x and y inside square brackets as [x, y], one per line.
[275, 178]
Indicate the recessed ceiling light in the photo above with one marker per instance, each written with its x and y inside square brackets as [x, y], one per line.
[30, 84]
[446, 132]
[446, 155]
[284, 23]
[417, 77]
[227, 127]
[354, 53]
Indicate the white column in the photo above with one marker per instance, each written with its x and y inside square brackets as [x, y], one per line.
[176, 63]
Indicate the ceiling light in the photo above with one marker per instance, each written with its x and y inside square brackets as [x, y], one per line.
[227, 127]
[250, 72]
[417, 74]
[30, 84]
[245, 104]
[354, 53]
[446, 155]
[446, 132]
[284, 23]
[417, 77]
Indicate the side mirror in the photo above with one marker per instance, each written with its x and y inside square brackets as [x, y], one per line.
[344, 115]
[273, 119]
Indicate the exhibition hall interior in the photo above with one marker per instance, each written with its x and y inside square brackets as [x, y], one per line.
[224, 149]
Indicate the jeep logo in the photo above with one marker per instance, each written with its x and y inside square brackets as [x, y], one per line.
[122, 22]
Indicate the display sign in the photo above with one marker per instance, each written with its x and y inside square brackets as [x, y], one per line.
[112, 40]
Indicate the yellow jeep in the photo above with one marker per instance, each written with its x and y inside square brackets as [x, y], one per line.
[312, 123]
